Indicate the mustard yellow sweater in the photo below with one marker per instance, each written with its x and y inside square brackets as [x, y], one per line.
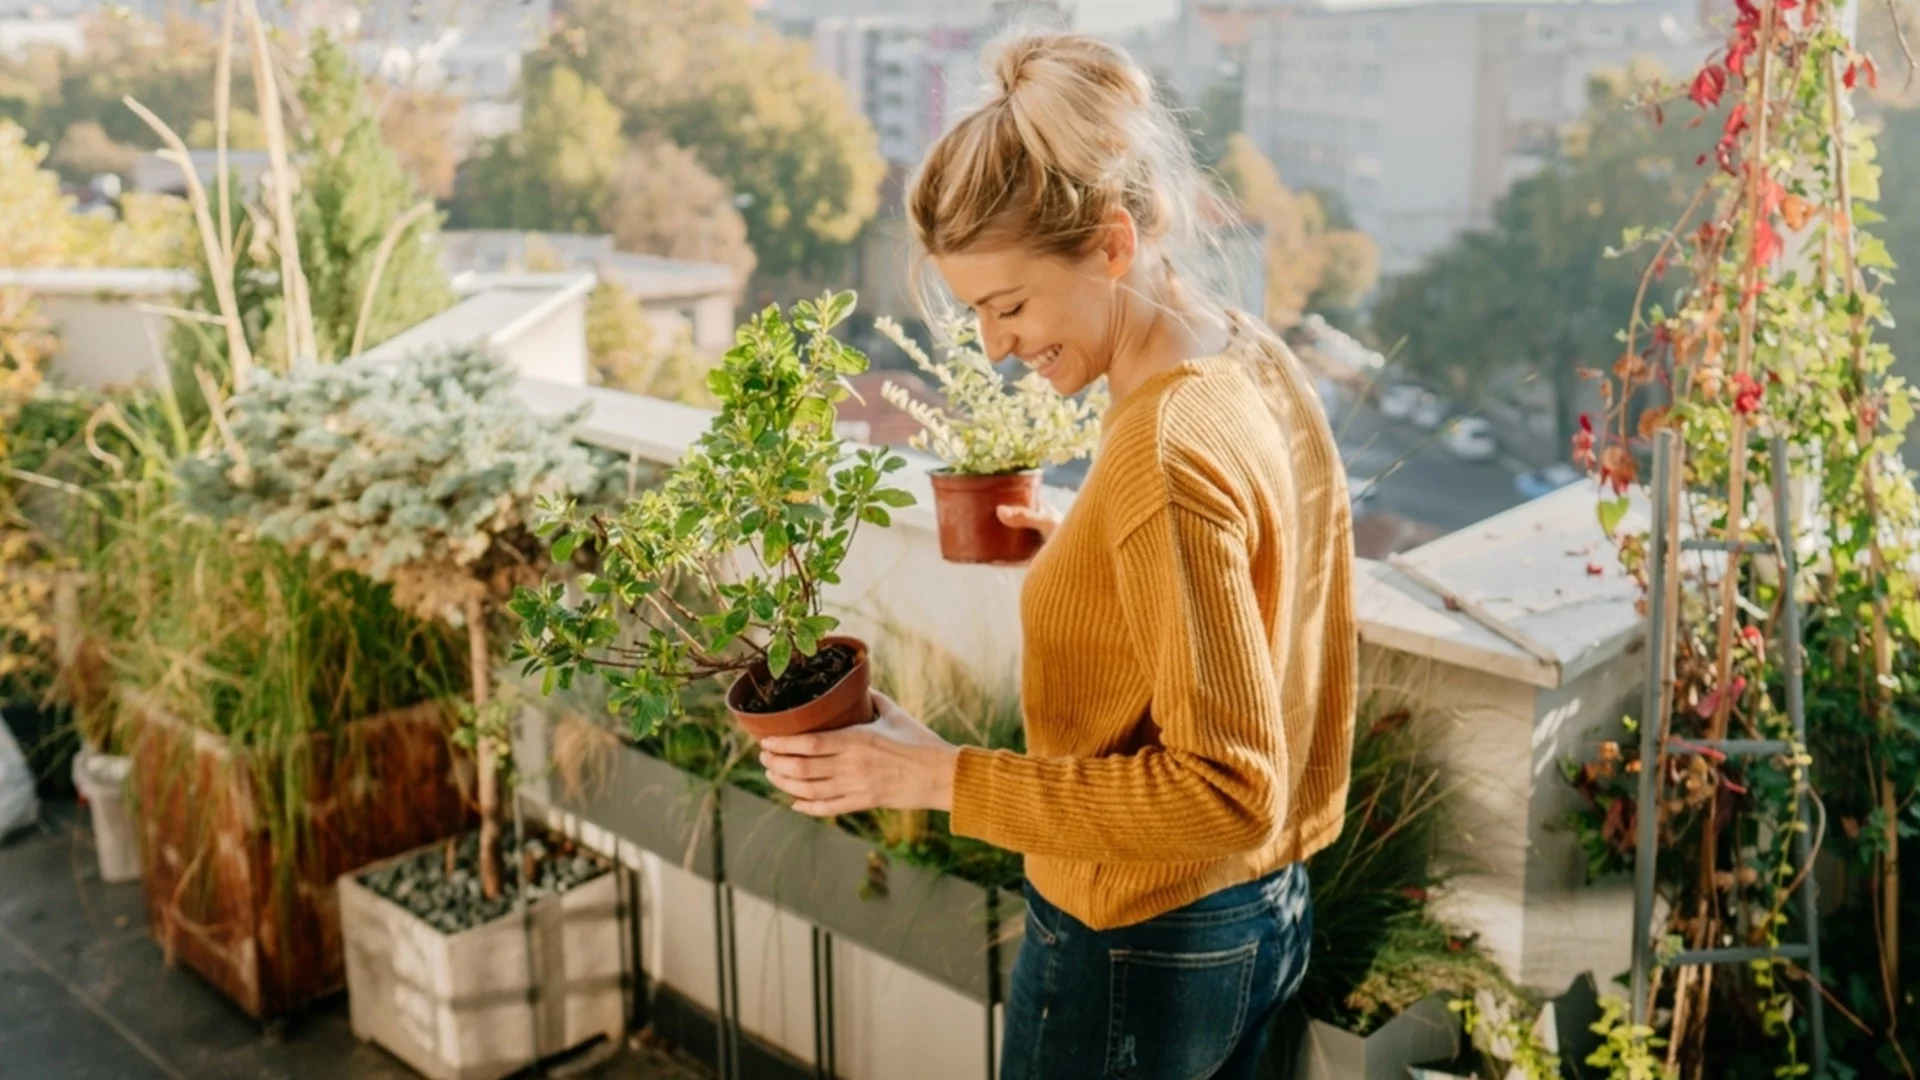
[1189, 666]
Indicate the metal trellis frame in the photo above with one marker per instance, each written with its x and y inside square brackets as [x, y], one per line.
[1653, 732]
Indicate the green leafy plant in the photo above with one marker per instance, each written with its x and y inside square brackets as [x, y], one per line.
[1501, 1027]
[1628, 1051]
[416, 474]
[1758, 314]
[987, 428]
[1376, 947]
[756, 519]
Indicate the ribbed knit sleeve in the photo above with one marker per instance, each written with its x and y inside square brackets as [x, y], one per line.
[1214, 786]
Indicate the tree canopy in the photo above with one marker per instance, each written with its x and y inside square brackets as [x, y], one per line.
[1536, 291]
[749, 105]
[1310, 266]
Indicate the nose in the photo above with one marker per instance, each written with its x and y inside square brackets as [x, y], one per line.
[998, 342]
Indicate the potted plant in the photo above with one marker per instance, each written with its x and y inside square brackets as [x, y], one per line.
[417, 474]
[994, 441]
[1383, 969]
[756, 521]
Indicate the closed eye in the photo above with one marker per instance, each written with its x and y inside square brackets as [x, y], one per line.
[1012, 311]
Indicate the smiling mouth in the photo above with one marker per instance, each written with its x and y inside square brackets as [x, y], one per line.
[1044, 362]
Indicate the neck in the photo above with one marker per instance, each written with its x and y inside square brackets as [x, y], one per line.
[1153, 337]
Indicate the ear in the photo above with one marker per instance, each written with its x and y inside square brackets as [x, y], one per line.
[1121, 243]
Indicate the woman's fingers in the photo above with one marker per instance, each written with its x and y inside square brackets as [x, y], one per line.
[1040, 519]
[832, 807]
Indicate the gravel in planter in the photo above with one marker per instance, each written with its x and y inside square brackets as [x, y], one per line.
[454, 902]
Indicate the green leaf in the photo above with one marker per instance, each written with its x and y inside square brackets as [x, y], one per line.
[779, 655]
[564, 547]
[1611, 513]
[815, 412]
[688, 521]
[876, 515]
[893, 497]
[776, 543]
[721, 383]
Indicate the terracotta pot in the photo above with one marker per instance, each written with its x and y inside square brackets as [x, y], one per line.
[968, 511]
[848, 702]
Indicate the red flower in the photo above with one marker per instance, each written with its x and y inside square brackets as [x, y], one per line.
[1618, 468]
[1708, 86]
[1766, 243]
[1747, 394]
[1711, 703]
[1850, 76]
[1755, 640]
[1872, 71]
[1583, 443]
[1414, 893]
[1594, 569]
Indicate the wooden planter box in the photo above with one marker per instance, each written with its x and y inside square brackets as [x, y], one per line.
[492, 1000]
[1426, 1033]
[939, 925]
[264, 926]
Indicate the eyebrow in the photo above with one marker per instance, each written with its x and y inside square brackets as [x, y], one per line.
[985, 300]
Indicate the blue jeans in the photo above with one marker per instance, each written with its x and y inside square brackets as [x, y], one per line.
[1188, 995]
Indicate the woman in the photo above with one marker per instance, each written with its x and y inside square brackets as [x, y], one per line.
[1189, 643]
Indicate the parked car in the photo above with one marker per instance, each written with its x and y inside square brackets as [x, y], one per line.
[1471, 439]
[1397, 401]
[1362, 492]
[1428, 412]
[1537, 482]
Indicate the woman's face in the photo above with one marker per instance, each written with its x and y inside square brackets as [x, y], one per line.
[1057, 315]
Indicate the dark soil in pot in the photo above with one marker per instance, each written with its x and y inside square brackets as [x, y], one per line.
[825, 692]
[452, 901]
[968, 510]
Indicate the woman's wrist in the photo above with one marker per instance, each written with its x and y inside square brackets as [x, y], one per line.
[943, 762]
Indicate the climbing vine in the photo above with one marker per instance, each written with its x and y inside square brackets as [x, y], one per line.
[1756, 318]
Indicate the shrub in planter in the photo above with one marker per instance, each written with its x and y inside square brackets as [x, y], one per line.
[415, 473]
[994, 441]
[1383, 968]
[271, 706]
[756, 521]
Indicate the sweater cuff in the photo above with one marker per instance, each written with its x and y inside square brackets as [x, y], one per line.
[972, 793]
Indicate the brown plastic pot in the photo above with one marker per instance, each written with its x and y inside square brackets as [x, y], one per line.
[846, 703]
[967, 508]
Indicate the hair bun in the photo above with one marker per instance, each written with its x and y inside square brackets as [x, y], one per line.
[1062, 60]
[1011, 66]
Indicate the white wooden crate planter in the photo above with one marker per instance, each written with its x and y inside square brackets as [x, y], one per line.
[489, 1001]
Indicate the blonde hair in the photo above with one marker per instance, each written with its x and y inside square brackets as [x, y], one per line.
[1070, 131]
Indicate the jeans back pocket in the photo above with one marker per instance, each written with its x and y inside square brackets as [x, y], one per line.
[1177, 1016]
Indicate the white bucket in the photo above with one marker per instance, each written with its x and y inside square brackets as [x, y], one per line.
[102, 780]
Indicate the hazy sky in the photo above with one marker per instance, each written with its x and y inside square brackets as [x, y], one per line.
[1103, 15]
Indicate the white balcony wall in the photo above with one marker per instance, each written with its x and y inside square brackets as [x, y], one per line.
[111, 330]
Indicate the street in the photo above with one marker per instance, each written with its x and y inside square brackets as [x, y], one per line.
[1417, 477]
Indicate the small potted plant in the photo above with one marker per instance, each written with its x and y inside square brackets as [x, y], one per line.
[994, 442]
[749, 528]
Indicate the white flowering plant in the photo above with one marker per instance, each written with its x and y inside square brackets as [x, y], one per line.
[988, 428]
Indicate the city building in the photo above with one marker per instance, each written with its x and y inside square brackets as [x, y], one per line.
[672, 292]
[1421, 116]
[910, 75]
[1203, 47]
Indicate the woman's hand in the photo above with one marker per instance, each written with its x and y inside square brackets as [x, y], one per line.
[1042, 518]
[895, 762]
